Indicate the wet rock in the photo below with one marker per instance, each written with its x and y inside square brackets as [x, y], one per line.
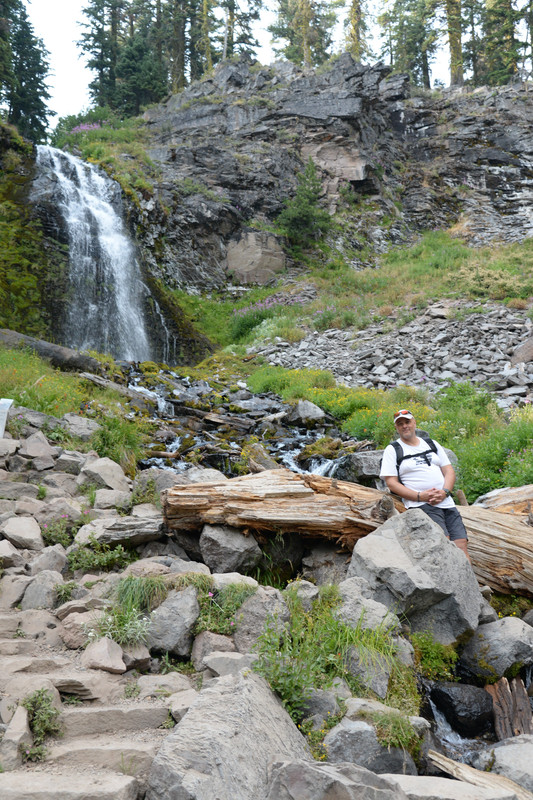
[497, 647]
[468, 709]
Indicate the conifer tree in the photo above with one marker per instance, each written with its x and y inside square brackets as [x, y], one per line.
[305, 30]
[409, 38]
[26, 92]
[303, 220]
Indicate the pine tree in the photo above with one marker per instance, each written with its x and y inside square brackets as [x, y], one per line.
[410, 38]
[501, 46]
[356, 30]
[101, 41]
[27, 92]
[303, 220]
[305, 26]
[7, 8]
[238, 36]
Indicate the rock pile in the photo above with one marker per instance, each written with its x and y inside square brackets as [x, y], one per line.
[115, 735]
[439, 346]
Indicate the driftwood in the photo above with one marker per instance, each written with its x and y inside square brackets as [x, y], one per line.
[512, 711]
[489, 780]
[501, 549]
[61, 357]
[138, 398]
[280, 501]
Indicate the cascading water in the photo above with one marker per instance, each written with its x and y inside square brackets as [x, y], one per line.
[104, 309]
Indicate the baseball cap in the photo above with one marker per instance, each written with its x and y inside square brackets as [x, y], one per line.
[403, 413]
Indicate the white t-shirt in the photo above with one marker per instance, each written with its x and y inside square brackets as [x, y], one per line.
[417, 473]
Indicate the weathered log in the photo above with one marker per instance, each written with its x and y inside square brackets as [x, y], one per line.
[512, 711]
[501, 549]
[280, 501]
[515, 500]
[61, 357]
[477, 778]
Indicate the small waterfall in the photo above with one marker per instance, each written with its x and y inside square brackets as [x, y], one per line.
[104, 310]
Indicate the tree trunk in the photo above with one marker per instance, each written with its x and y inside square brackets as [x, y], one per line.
[453, 18]
[501, 549]
[280, 501]
[477, 778]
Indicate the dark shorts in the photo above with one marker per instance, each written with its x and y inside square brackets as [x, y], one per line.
[449, 520]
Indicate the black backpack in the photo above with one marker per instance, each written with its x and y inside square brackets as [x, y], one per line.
[400, 456]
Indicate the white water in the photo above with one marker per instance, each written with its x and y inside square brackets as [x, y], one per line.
[105, 300]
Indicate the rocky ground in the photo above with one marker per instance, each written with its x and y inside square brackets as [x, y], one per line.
[449, 341]
[117, 706]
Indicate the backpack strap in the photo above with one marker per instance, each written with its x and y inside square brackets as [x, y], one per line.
[400, 455]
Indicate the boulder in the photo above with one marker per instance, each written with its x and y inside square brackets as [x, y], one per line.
[17, 736]
[324, 565]
[305, 413]
[226, 549]
[414, 570]
[356, 741]
[130, 531]
[23, 532]
[180, 702]
[172, 623]
[512, 758]
[81, 427]
[267, 604]
[42, 591]
[223, 746]
[104, 654]
[153, 686]
[497, 647]
[468, 709]
[437, 788]
[106, 473]
[255, 257]
[302, 780]
[358, 610]
[51, 558]
[10, 556]
[37, 446]
[207, 643]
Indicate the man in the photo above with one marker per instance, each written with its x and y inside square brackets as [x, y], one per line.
[421, 474]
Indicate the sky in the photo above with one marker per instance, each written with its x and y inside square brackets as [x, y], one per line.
[56, 22]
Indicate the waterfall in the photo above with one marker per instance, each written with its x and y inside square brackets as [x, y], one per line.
[104, 309]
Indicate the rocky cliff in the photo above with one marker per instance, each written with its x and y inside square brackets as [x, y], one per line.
[229, 148]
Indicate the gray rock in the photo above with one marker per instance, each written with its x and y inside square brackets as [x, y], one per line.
[10, 556]
[17, 735]
[106, 473]
[356, 741]
[172, 623]
[112, 498]
[23, 532]
[226, 549]
[413, 569]
[180, 702]
[221, 732]
[104, 654]
[42, 592]
[354, 466]
[207, 643]
[266, 605]
[468, 709]
[130, 531]
[437, 788]
[305, 413]
[301, 780]
[82, 427]
[512, 758]
[358, 610]
[220, 663]
[37, 446]
[496, 647]
[306, 592]
[51, 558]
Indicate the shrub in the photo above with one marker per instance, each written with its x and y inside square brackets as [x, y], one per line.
[432, 659]
[98, 556]
[218, 608]
[313, 648]
[43, 720]
[124, 626]
[120, 440]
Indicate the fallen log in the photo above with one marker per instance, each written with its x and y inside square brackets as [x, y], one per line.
[515, 500]
[489, 780]
[61, 357]
[501, 549]
[512, 711]
[280, 501]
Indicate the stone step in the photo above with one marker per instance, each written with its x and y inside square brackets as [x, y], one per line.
[17, 647]
[9, 624]
[128, 756]
[106, 719]
[39, 785]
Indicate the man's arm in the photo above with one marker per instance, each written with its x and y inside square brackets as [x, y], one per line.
[396, 487]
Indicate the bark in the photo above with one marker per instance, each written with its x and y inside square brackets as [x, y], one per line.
[512, 711]
[501, 549]
[453, 19]
[280, 501]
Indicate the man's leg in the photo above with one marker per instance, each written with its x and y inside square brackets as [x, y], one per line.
[457, 530]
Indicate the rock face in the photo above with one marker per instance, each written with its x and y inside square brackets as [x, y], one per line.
[215, 750]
